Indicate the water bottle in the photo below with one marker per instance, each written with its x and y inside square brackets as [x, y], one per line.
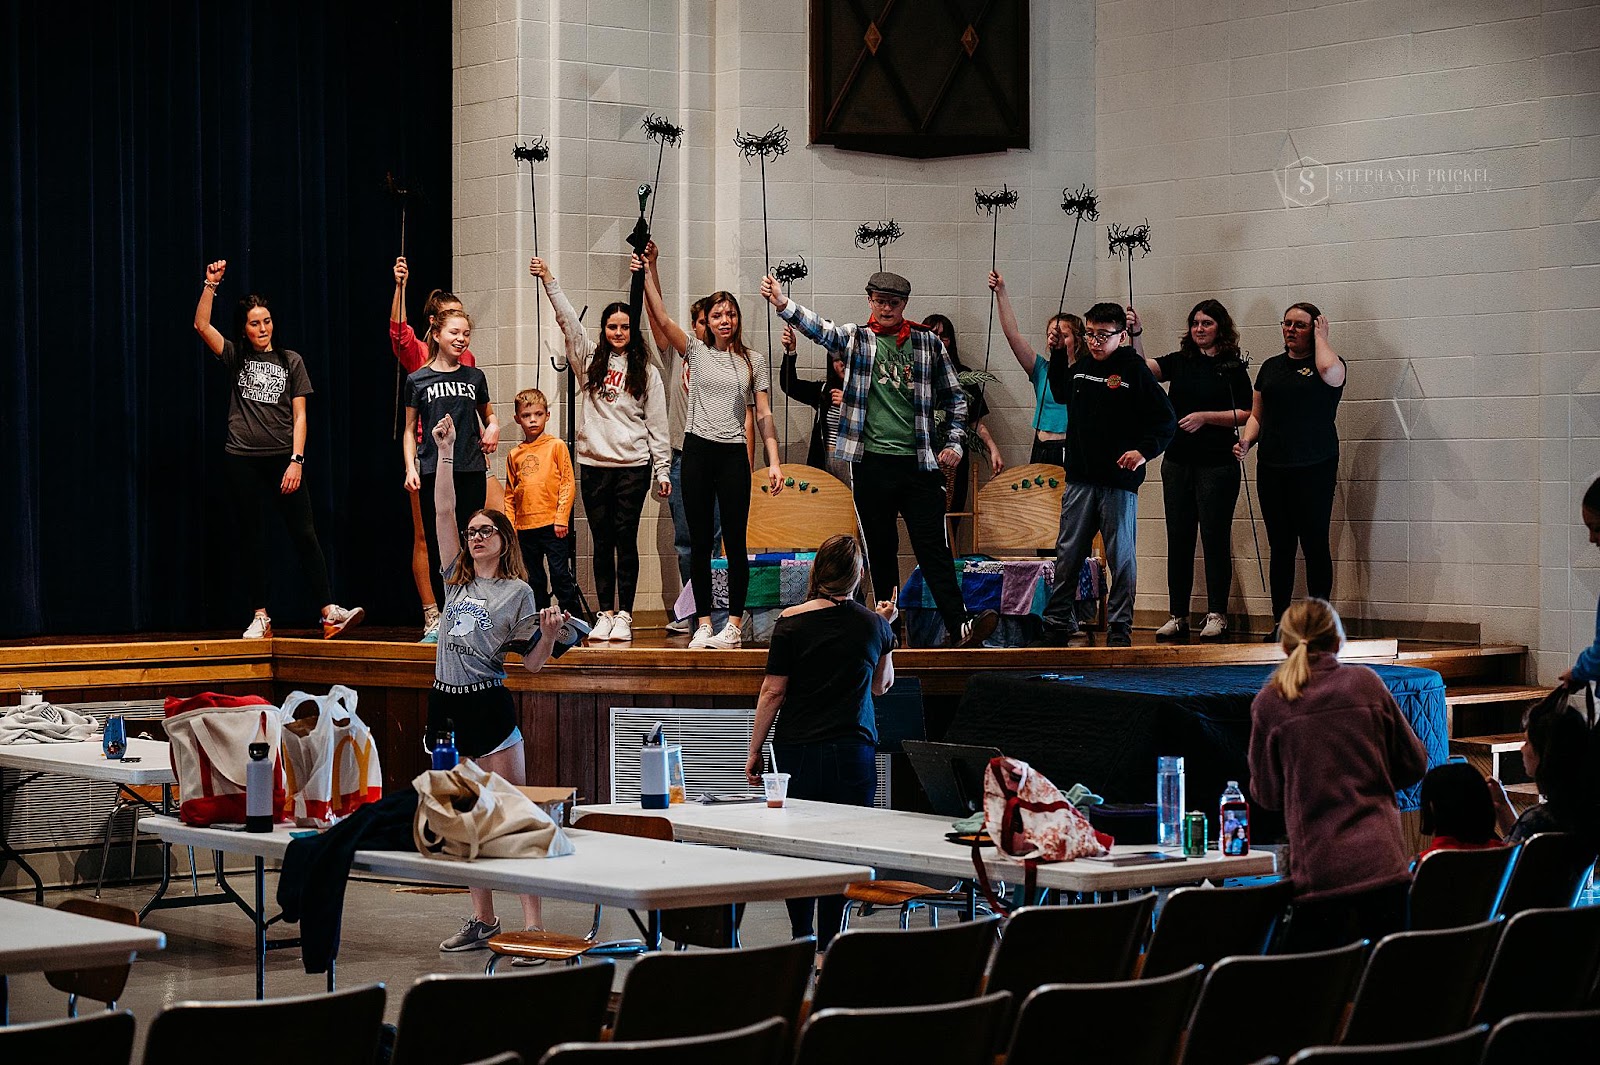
[1233, 835]
[1169, 801]
[655, 788]
[445, 755]
[114, 742]
[258, 789]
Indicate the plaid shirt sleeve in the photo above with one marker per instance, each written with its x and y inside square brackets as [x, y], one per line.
[944, 389]
[858, 347]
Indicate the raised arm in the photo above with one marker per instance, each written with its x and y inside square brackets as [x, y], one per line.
[397, 306]
[820, 330]
[1024, 351]
[661, 323]
[202, 310]
[1329, 365]
[572, 331]
[444, 488]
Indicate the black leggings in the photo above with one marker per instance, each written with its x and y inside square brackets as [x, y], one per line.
[1297, 509]
[470, 490]
[613, 499]
[254, 481]
[1199, 499]
[716, 479]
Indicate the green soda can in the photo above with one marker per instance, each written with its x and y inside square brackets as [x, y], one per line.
[1194, 834]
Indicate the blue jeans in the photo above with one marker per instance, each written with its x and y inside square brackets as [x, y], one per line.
[680, 531]
[842, 771]
[1087, 509]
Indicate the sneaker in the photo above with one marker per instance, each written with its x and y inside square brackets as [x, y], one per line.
[679, 627]
[431, 636]
[336, 619]
[602, 627]
[474, 935]
[731, 638]
[1176, 628]
[702, 638]
[260, 628]
[1119, 639]
[975, 630]
[1216, 627]
[622, 625]
[1063, 638]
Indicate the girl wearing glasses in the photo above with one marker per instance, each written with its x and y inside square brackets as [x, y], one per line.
[489, 610]
[1292, 416]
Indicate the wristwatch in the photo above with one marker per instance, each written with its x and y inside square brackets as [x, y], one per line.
[301, 459]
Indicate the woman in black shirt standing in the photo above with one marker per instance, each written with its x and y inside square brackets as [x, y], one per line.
[829, 656]
[1199, 475]
[1292, 416]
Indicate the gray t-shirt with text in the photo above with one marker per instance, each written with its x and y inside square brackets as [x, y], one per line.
[261, 399]
[482, 620]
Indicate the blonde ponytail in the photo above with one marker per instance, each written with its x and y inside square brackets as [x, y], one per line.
[1308, 627]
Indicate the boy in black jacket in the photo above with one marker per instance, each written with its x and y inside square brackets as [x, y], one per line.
[1118, 419]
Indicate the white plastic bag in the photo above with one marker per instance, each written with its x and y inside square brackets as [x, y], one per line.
[329, 758]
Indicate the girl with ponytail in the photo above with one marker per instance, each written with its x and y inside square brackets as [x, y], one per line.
[1329, 747]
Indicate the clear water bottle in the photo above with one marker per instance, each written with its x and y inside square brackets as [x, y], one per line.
[1169, 801]
[444, 749]
[258, 789]
[1233, 817]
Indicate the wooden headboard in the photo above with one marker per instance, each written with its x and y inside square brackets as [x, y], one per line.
[1020, 510]
[813, 506]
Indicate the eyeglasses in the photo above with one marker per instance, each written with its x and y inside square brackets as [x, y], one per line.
[481, 532]
[1101, 337]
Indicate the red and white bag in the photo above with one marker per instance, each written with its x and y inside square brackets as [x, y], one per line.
[328, 757]
[209, 737]
[1028, 819]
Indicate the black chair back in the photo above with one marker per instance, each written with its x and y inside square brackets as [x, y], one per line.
[1199, 926]
[1251, 1007]
[337, 1028]
[668, 996]
[1458, 1048]
[954, 1033]
[1089, 944]
[1455, 888]
[759, 1044]
[508, 1058]
[1541, 1037]
[1133, 1022]
[101, 1039]
[919, 967]
[1551, 872]
[571, 1000]
[1421, 985]
[1546, 960]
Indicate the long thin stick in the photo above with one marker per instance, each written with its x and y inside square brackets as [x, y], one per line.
[1244, 479]
[774, 142]
[994, 201]
[663, 133]
[1070, 249]
[766, 257]
[1080, 203]
[535, 151]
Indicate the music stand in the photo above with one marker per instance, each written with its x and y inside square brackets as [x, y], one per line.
[951, 774]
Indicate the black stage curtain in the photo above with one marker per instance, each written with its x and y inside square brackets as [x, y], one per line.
[138, 141]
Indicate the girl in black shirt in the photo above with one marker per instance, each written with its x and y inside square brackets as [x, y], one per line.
[1199, 475]
[1292, 415]
[829, 656]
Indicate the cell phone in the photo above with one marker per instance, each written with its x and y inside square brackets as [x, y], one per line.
[1234, 836]
[1137, 858]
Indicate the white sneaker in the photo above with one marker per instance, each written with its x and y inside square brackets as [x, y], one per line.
[1216, 626]
[260, 628]
[337, 618]
[602, 627]
[622, 625]
[702, 638]
[729, 639]
[1176, 628]
[679, 627]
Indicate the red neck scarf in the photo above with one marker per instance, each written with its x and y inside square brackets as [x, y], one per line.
[901, 335]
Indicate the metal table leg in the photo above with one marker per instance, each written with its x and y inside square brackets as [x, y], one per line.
[8, 853]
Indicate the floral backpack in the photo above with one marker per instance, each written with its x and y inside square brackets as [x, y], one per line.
[1030, 820]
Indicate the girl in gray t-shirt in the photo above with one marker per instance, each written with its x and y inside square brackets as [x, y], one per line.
[489, 610]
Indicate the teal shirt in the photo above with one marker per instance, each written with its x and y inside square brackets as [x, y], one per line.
[891, 415]
[1048, 415]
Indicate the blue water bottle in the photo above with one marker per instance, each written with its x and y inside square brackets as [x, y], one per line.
[444, 748]
[115, 740]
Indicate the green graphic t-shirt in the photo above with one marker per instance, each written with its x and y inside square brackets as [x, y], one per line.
[891, 417]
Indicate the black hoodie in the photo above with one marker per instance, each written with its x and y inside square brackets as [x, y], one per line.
[1113, 406]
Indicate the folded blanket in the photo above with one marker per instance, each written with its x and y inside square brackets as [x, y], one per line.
[44, 723]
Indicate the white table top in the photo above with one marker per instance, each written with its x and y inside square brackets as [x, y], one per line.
[38, 939]
[87, 760]
[613, 870]
[897, 839]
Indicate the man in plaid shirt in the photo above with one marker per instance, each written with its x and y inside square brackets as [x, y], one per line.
[895, 372]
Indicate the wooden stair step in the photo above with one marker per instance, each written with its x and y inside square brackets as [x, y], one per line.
[1486, 745]
[1469, 694]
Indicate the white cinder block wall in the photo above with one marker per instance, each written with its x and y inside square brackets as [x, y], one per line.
[1471, 421]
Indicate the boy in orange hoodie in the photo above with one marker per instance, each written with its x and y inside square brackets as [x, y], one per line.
[539, 488]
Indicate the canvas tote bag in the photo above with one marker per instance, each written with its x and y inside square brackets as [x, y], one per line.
[209, 737]
[467, 813]
[329, 758]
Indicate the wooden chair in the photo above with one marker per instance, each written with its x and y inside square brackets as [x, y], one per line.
[103, 1039]
[572, 1007]
[1540, 1037]
[813, 506]
[1010, 521]
[1252, 1007]
[1132, 1022]
[1550, 873]
[1546, 960]
[1203, 925]
[1458, 1048]
[869, 970]
[1090, 944]
[703, 925]
[336, 1028]
[758, 1044]
[955, 1033]
[105, 983]
[1421, 985]
[1455, 888]
[665, 996]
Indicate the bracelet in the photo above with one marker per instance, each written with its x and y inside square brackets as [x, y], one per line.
[1140, 333]
[212, 285]
[443, 459]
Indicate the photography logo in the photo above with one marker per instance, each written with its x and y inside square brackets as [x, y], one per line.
[1304, 183]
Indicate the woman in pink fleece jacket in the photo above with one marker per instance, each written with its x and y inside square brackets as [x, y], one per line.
[1330, 747]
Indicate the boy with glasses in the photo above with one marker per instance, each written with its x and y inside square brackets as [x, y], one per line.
[1118, 419]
